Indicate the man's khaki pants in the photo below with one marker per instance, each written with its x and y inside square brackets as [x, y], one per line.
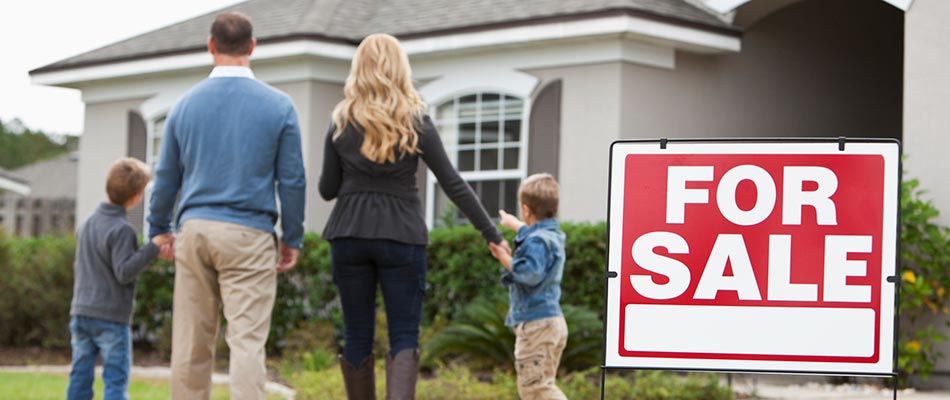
[221, 263]
[538, 348]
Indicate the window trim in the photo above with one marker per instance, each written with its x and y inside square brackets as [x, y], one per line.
[151, 133]
[520, 173]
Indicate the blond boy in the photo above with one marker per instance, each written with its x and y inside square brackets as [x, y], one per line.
[533, 278]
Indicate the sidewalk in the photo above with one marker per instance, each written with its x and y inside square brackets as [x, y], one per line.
[780, 387]
[147, 373]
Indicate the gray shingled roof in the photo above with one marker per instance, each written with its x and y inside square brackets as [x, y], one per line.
[51, 179]
[348, 21]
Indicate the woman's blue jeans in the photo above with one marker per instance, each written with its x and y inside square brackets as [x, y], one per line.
[399, 269]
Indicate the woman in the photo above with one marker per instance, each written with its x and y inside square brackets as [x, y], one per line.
[377, 232]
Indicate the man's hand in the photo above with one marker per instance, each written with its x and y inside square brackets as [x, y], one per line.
[167, 252]
[510, 221]
[501, 253]
[288, 257]
[163, 239]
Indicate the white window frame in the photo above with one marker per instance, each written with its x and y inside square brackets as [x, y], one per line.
[152, 132]
[452, 148]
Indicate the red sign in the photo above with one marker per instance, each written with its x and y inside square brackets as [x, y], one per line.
[737, 259]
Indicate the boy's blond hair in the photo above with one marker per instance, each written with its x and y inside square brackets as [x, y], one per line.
[540, 193]
[127, 178]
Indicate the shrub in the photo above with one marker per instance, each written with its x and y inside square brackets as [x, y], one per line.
[35, 290]
[925, 261]
[461, 269]
[479, 336]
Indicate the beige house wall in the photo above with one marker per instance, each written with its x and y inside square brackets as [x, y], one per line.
[840, 76]
[324, 96]
[104, 139]
[314, 101]
[590, 122]
[927, 99]
[927, 119]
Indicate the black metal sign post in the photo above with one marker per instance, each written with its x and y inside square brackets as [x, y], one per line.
[894, 279]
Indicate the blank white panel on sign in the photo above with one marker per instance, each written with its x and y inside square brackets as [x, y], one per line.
[788, 331]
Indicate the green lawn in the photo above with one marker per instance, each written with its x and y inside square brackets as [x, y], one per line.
[38, 386]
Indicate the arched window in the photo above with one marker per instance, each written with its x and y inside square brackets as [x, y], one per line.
[484, 135]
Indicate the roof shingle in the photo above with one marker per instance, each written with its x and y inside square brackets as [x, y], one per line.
[349, 21]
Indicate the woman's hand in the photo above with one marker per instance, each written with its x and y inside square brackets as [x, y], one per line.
[502, 253]
[510, 221]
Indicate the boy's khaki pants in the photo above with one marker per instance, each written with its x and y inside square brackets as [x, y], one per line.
[538, 348]
[218, 263]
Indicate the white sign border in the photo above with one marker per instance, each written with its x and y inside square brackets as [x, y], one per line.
[890, 150]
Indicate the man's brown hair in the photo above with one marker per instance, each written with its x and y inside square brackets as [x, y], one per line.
[540, 193]
[127, 178]
[232, 34]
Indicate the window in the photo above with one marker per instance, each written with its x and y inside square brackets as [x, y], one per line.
[151, 151]
[483, 134]
[157, 132]
[37, 226]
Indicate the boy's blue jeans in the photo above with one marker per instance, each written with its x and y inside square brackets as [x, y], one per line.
[399, 269]
[92, 337]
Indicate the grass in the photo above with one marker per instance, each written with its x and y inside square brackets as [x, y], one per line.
[43, 386]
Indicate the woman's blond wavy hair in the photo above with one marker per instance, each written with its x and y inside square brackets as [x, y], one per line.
[379, 98]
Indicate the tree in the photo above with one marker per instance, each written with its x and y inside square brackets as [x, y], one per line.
[20, 145]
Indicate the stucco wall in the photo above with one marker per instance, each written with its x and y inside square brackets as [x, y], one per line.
[815, 68]
[590, 121]
[104, 140]
[927, 99]
[927, 117]
[314, 101]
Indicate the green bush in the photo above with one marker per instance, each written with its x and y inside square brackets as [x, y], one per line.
[925, 261]
[35, 290]
[479, 336]
[460, 270]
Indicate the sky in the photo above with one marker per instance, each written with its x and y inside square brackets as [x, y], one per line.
[35, 33]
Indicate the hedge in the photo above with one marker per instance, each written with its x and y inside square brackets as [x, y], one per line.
[37, 286]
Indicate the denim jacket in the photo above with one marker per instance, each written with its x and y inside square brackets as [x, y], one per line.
[534, 282]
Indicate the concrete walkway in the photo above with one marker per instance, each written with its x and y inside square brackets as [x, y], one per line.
[156, 373]
[780, 387]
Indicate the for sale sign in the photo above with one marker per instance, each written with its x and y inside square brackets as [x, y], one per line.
[753, 256]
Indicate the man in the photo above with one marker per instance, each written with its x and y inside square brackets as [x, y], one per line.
[226, 143]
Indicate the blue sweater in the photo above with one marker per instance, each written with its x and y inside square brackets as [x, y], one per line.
[228, 144]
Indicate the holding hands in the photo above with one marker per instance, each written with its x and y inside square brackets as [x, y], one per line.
[502, 251]
[166, 244]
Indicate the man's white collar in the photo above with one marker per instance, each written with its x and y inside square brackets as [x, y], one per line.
[230, 71]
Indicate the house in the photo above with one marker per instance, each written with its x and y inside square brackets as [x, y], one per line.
[523, 86]
[48, 206]
[11, 187]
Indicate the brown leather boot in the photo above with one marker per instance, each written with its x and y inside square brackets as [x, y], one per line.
[360, 381]
[401, 373]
